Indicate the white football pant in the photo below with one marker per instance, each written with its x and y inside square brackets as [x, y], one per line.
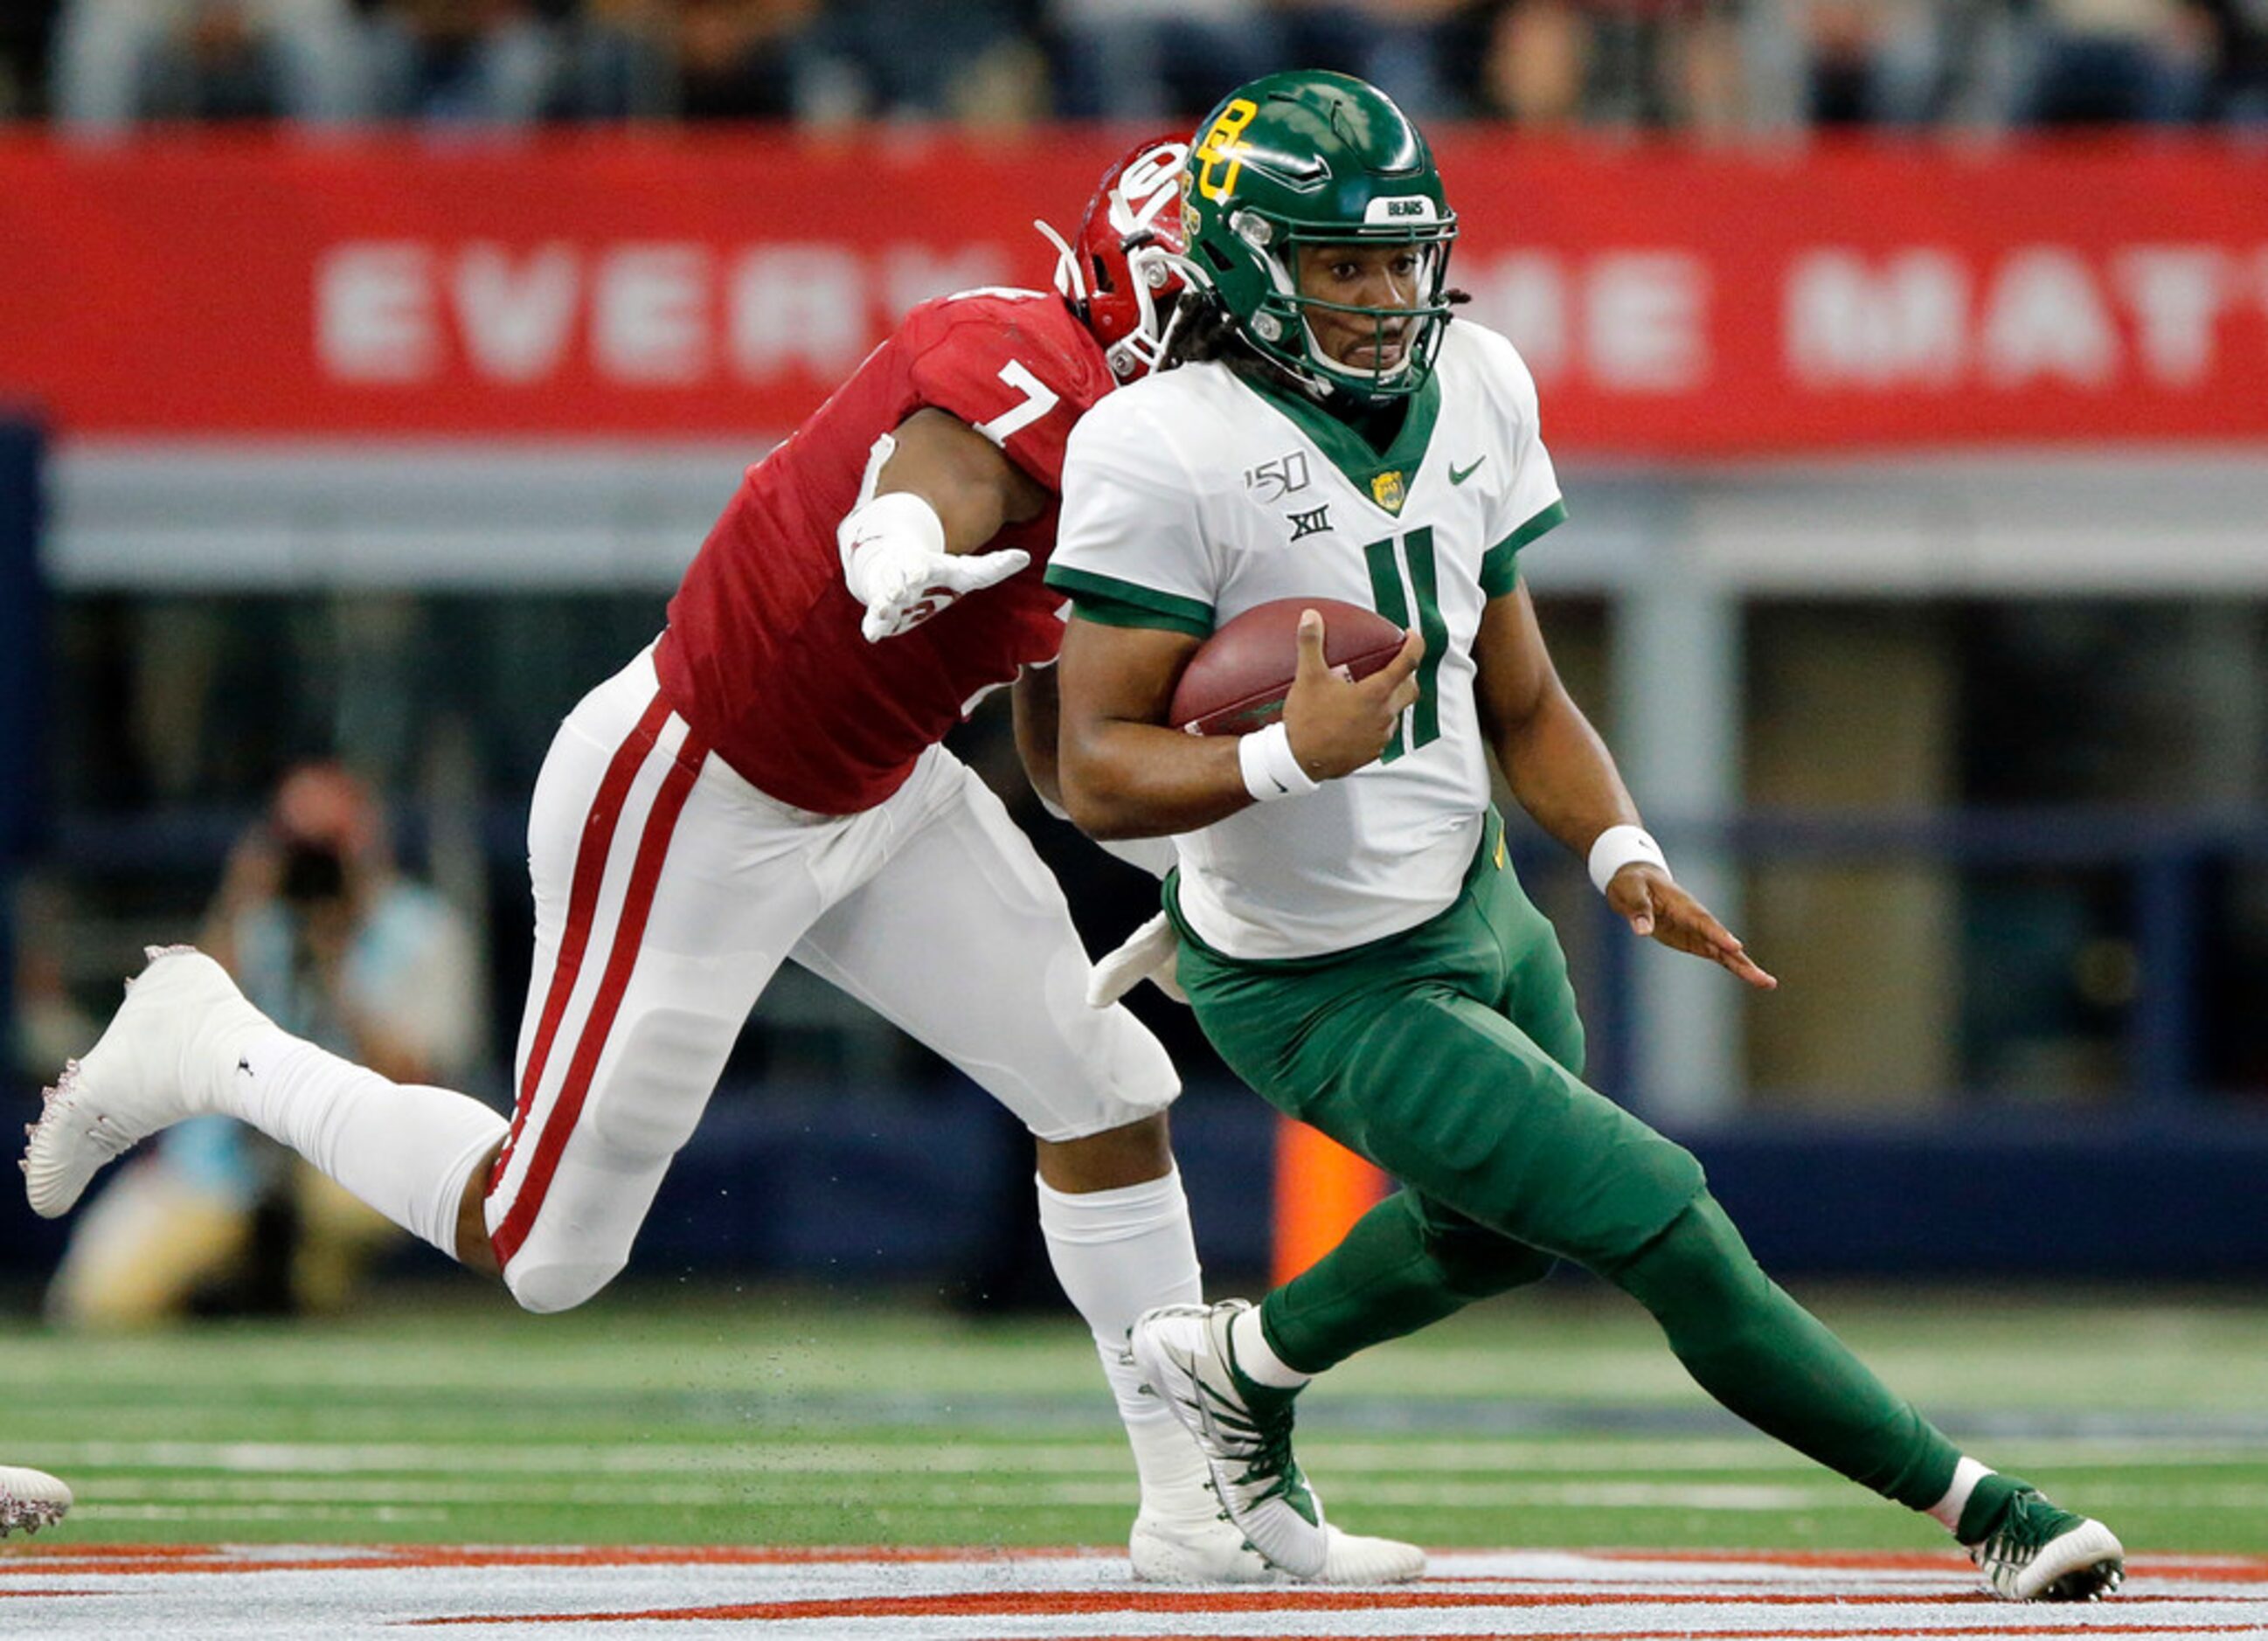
[667, 892]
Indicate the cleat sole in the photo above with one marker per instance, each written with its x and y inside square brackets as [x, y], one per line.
[2086, 1584]
[30, 1499]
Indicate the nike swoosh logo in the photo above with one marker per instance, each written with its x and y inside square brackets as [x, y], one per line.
[1458, 475]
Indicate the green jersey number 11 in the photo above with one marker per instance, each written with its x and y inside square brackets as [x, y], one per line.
[1388, 560]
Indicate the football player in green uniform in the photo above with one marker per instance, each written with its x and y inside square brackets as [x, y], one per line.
[1348, 929]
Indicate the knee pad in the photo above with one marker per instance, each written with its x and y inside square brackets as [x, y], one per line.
[1474, 1261]
[1699, 1261]
[657, 1085]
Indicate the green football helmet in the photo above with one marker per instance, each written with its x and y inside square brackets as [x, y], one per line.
[1315, 158]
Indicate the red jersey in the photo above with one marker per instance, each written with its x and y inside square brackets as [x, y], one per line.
[763, 657]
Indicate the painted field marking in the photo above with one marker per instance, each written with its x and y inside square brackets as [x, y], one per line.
[63, 1591]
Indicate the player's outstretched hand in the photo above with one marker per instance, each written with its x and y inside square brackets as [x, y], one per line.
[1655, 906]
[902, 586]
[1336, 725]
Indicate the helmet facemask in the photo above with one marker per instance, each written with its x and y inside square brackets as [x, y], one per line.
[1156, 280]
[1280, 326]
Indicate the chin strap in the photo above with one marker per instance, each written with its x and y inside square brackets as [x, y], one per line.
[1070, 279]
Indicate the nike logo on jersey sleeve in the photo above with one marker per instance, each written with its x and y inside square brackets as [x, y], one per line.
[1458, 475]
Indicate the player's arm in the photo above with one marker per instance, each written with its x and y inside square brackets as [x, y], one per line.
[1038, 705]
[975, 490]
[1038, 711]
[936, 493]
[1125, 773]
[1562, 773]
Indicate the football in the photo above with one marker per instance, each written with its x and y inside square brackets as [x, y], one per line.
[1237, 681]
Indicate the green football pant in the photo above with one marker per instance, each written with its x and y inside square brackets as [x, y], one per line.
[1450, 1056]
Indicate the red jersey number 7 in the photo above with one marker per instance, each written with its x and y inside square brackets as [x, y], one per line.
[1038, 400]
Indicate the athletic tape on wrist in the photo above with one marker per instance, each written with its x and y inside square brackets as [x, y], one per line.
[1619, 846]
[1270, 771]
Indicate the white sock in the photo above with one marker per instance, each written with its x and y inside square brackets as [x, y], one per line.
[1966, 1475]
[405, 1149]
[1118, 1254]
[1255, 1358]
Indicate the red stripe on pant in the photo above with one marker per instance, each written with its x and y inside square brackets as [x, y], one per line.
[629, 933]
[582, 909]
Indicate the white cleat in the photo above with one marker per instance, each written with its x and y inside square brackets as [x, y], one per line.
[2040, 1553]
[1243, 1430]
[1212, 1551]
[29, 1500]
[1353, 1558]
[167, 1053]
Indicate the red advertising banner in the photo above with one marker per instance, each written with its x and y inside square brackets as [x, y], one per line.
[1673, 302]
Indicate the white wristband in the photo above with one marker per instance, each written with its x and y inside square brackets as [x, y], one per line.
[1269, 768]
[1620, 846]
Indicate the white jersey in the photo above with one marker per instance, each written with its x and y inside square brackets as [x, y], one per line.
[1192, 495]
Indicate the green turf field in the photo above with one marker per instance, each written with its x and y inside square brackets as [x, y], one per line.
[706, 1416]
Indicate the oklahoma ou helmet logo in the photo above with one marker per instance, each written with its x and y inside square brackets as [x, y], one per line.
[1148, 183]
[1124, 264]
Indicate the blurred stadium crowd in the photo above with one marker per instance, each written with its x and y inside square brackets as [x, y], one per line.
[1710, 66]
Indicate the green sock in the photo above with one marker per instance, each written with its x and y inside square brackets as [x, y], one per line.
[1771, 1361]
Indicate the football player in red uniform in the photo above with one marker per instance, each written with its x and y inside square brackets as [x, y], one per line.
[766, 782]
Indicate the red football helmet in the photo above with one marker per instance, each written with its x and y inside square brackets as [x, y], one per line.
[1126, 261]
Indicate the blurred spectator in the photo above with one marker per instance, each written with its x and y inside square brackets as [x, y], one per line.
[911, 59]
[1159, 61]
[1842, 40]
[612, 61]
[1399, 46]
[1947, 63]
[2238, 90]
[120, 61]
[25, 29]
[2107, 62]
[470, 62]
[722, 59]
[335, 946]
[1617, 63]
[1667, 64]
[1533, 63]
[1839, 63]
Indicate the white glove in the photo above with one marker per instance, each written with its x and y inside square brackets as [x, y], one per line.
[1151, 953]
[893, 556]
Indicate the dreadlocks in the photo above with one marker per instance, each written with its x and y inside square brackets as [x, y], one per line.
[1202, 333]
